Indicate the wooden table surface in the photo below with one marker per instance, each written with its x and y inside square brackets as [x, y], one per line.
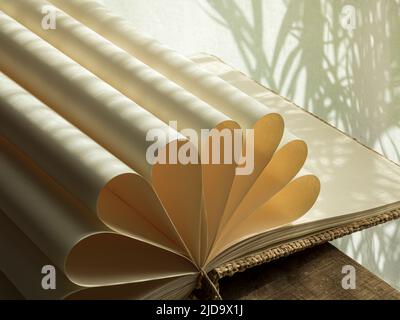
[311, 274]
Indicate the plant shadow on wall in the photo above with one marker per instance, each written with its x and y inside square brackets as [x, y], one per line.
[347, 76]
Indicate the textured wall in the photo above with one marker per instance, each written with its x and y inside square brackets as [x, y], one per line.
[342, 63]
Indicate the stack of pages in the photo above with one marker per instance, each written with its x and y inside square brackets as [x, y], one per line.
[138, 173]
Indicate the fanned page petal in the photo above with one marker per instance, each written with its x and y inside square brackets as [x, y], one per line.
[77, 144]
[288, 205]
[115, 122]
[219, 94]
[86, 250]
[283, 167]
[16, 247]
[101, 181]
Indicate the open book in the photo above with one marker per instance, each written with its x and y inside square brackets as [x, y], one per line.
[86, 188]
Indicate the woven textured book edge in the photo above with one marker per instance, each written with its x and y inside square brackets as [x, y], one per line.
[207, 290]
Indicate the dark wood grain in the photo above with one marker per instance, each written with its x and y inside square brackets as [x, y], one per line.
[311, 274]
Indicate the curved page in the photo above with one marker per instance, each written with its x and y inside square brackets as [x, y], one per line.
[103, 113]
[164, 98]
[355, 182]
[195, 196]
[87, 252]
[16, 248]
[101, 181]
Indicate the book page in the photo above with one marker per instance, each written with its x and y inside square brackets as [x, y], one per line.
[207, 102]
[16, 248]
[168, 102]
[121, 126]
[88, 253]
[96, 177]
[111, 119]
[354, 179]
[111, 100]
[177, 89]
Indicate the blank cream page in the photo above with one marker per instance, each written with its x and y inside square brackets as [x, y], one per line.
[353, 178]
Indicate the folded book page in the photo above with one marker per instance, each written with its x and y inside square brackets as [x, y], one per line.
[23, 266]
[81, 150]
[223, 190]
[356, 182]
[220, 187]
